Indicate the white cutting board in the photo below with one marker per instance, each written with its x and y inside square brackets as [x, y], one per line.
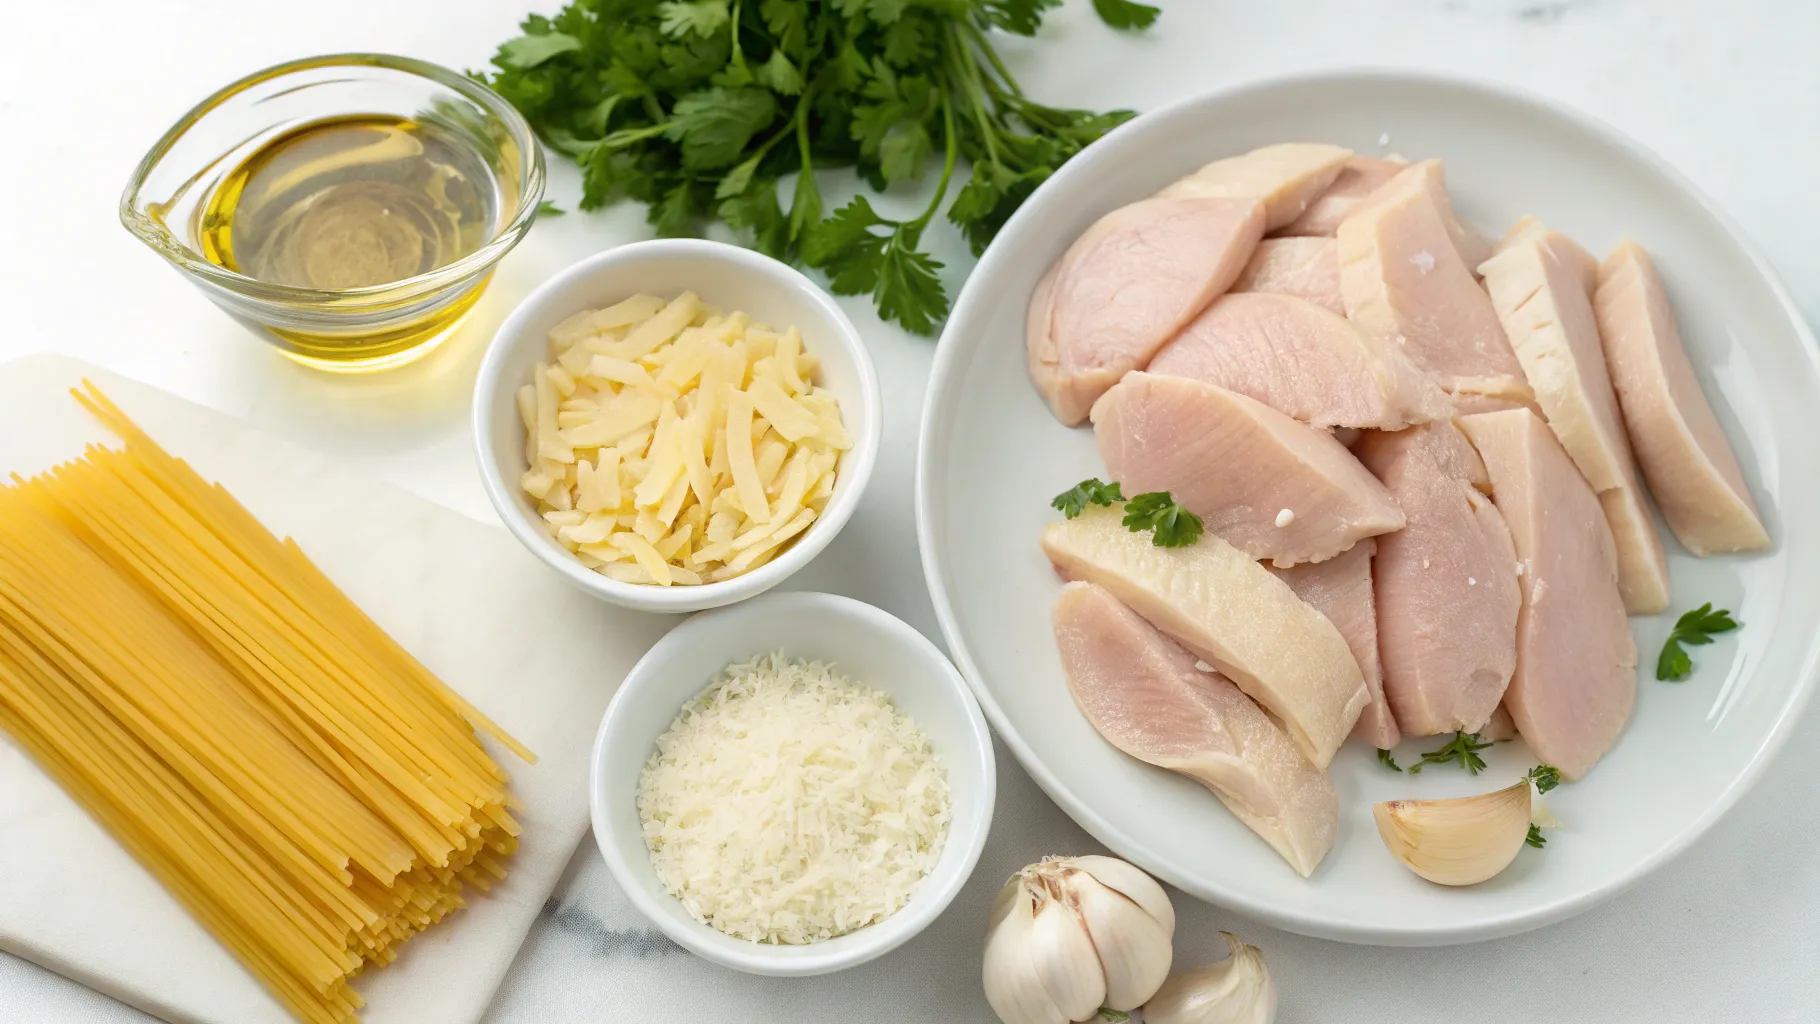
[538, 657]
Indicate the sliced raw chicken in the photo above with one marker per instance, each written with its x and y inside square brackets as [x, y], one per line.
[1128, 285]
[1501, 727]
[1340, 588]
[1678, 441]
[1308, 268]
[1271, 486]
[1287, 178]
[1584, 263]
[1406, 287]
[1538, 289]
[1231, 612]
[1576, 662]
[1429, 178]
[1304, 361]
[1446, 584]
[1142, 692]
[1361, 176]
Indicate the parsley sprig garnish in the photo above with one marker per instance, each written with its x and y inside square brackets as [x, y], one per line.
[1544, 777]
[1463, 749]
[707, 109]
[1388, 761]
[1535, 838]
[1696, 627]
[1170, 525]
[1091, 491]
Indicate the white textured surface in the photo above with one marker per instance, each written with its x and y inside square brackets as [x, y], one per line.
[1729, 93]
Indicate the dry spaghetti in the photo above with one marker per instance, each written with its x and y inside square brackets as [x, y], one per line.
[307, 789]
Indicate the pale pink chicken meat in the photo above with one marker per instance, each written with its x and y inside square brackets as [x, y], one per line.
[1142, 692]
[1685, 457]
[1307, 268]
[1429, 178]
[1584, 264]
[1445, 585]
[1303, 361]
[1128, 285]
[1229, 610]
[1340, 588]
[1271, 486]
[1537, 284]
[1287, 178]
[1361, 176]
[1576, 673]
[1406, 287]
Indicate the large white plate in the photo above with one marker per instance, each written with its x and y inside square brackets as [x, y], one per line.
[992, 457]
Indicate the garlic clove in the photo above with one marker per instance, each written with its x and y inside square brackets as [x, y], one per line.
[1133, 883]
[1013, 989]
[1067, 965]
[1237, 990]
[1457, 842]
[1132, 946]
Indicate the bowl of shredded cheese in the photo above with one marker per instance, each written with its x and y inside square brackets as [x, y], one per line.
[677, 424]
[794, 785]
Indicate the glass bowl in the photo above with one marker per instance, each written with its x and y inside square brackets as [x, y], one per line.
[355, 329]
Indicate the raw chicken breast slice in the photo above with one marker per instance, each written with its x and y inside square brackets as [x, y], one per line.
[1231, 612]
[1678, 441]
[1141, 691]
[1128, 285]
[1340, 588]
[1361, 176]
[1303, 361]
[1271, 486]
[1446, 584]
[1576, 671]
[1308, 268]
[1501, 727]
[1584, 263]
[1429, 178]
[1406, 287]
[1287, 178]
[1538, 287]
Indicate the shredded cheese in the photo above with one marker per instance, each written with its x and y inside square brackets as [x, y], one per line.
[787, 804]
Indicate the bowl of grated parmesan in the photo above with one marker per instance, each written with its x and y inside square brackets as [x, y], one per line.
[793, 785]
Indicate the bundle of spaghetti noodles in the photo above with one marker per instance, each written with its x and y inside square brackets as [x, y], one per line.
[306, 788]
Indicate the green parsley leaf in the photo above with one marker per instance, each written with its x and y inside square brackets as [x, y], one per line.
[1112, 1016]
[909, 290]
[1387, 761]
[1170, 525]
[714, 125]
[1696, 627]
[528, 51]
[1091, 491]
[1023, 17]
[903, 151]
[1463, 750]
[1544, 777]
[1535, 837]
[699, 17]
[1125, 14]
[779, 75]
[548, 209]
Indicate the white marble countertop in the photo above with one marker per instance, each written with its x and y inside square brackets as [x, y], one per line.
[1729, 92]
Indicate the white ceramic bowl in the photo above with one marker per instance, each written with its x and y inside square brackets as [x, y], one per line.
[868, 646]
[726, 277]
[1690, 750]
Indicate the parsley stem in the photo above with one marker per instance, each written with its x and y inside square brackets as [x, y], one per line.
[962, 54]
[739, 56]
[992, 55]
[941, 188]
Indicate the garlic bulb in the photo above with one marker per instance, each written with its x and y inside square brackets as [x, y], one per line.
[1457, 842]
[1237, 990]
[1069, 935]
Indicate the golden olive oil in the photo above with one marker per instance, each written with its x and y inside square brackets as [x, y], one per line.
[352, 203]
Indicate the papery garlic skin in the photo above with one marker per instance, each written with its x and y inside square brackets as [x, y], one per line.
[1069, 935]
[1457, 842]
[1237, 990]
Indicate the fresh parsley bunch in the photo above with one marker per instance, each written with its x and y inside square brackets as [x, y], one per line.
[702, 108]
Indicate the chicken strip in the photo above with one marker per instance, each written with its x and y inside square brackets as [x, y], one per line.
[1340, 588]
[1287, 178]
[1576, 674]
[1308, 268]
[1429, 178]
[1361, 176]
[1268, 485]
[1142, 692]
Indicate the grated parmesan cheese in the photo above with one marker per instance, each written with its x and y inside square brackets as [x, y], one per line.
[788, 804]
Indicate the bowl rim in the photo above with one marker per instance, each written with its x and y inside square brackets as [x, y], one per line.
[947, 359]
[857, 463]
[939, 887]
